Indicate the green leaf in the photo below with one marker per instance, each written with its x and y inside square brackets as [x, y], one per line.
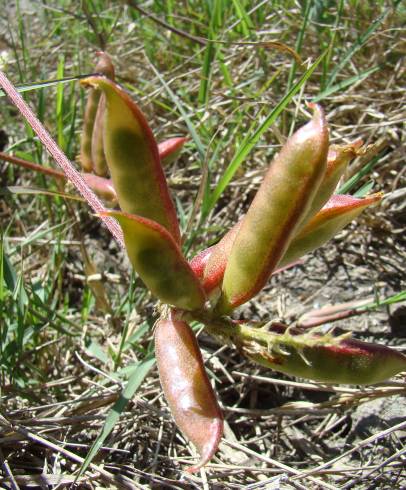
[345, 83]
[134, 382]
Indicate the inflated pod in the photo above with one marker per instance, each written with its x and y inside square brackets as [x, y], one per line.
[199, 261]
[105, 67]
[338, 158]
[187, 388]
[281, 203]
[331, 360]
[98, 156]
[101, 187]
[170, 149]
[302, 353]
[133, 159]
[158, 260]
[217, 260]
[337, 213]
[210, 264]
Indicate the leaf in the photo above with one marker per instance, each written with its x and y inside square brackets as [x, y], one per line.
[134, 382]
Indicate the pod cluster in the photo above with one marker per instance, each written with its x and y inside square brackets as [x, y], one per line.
[294, 211]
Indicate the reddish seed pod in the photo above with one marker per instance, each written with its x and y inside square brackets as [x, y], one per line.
[170, 149]
[187, 387]
[101, 187]
[199, 261]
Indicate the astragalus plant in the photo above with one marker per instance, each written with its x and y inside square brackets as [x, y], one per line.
[295, 211]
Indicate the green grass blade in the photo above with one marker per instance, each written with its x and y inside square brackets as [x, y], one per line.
[245, 21]
[299, 42]
[249, 143]
[175, 99]
[17, 189]
[366, 169]
[365, 189]
[209, 55]
[47, 83]
[134, 382]
[59, 103]
[390, 300]
[363, 39]
[345, 83]
[333, 33]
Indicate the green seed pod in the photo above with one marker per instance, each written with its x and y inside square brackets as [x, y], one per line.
[338, 158]
[331, 359]
[336, 214]
[303, 353]
[98, 155]
[133, 159]
[282, 201]
[187, 388]
[157, 259]
[105, 67]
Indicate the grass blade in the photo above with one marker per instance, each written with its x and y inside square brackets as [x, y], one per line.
[249, 143]
[299, 42]
[59, 103]
[345, 83]
[47, 83]
[134, 382]
[366, 169]
[175, 99]
[363, 39]
[246, 23]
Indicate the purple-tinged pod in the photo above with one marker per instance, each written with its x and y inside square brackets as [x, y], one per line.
[339, 211]
[217, 261]
[199, 261]
[282, 201]
[105, 67]
[158, 260]
[332, 313]
[326, 358]
[170, 149]
[133, 159]
[101, 187]
[338, 158]
[187, 388]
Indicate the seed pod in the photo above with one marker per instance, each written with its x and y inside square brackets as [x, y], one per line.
[336, 214]
[170, 149]
[281, 203]
[187, 388]
[105, 67]
[217, 261]
[157, 259]
[133, 159]
[98, 156]
[338, 158]
[101, 187]
[320, 357]
[199, 261]
[330, 359]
